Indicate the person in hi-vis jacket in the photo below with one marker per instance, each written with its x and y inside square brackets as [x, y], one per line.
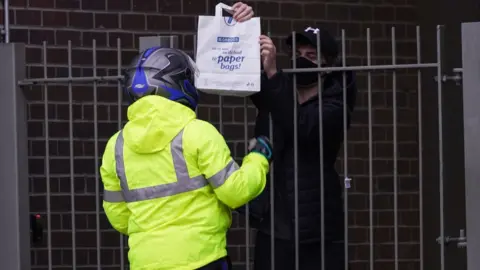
[169, 179]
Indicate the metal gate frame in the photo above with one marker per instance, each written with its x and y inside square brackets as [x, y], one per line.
[15, 254]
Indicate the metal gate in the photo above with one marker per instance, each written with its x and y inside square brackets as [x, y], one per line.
[382, 161]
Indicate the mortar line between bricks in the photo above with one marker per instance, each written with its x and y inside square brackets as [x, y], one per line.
[142, 31]
[404, 243]
[350, 210]
[388, 243]
[89, 121]
[236, 229]
[98, 30]
[80, 248]
[404, 193]
[210, 106]
[121, 31]
[409, 176]
[143, 13]
[358, 158]
[109, 48]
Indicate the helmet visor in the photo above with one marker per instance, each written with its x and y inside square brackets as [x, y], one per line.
[195, 70]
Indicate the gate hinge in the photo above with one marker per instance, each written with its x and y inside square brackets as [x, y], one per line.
[461, 240]
[456, 77]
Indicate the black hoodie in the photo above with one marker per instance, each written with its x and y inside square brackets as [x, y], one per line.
[276, 98]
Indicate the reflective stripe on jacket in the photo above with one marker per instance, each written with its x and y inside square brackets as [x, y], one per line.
[169, 184]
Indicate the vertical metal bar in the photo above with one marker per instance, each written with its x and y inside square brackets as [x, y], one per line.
[320, 139]
[220, 127]
[119, 126]
[295, 153]
[6, 19]
[194, 47]
[370, 149]
[72, 171]
[272, 192]
[47, 159]
[272, 201]
[440, 144]
[247, 210]
[420, 144]
[345, 149]
[395, 150]
[95, 139]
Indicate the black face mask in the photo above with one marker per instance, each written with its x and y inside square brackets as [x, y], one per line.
[306, 79]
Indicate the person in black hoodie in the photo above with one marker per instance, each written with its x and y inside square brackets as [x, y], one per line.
[276, 100]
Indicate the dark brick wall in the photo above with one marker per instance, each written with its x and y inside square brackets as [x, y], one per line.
[81, 21]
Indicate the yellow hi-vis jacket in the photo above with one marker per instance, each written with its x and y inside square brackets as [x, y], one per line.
[169, 184]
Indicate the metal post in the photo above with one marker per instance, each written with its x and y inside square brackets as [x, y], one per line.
[247, 207]
[6, 20]
[441, 160]
[162, 41]
[15, 226]
[395, 150]
[471, 111]
[295, 153]
[123, 239]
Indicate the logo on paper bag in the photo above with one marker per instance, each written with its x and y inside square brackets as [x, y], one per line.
[229, 60]
[228, 39]
[230, 21]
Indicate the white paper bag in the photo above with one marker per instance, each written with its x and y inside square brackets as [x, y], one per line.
[228, 55]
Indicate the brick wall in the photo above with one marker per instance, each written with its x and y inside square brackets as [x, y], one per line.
[57, 21]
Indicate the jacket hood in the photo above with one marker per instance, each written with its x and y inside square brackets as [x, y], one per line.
[153, 122]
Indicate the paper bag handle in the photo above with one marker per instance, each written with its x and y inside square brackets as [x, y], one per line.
[220, 7]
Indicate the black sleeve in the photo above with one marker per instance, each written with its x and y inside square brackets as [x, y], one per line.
[277, 97]
[269, 89]
[262, 124]
[263, 100]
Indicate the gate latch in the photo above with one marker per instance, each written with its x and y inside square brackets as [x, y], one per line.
[456, 77]
[461, 240]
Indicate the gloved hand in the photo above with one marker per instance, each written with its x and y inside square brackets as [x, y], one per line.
[262, 146]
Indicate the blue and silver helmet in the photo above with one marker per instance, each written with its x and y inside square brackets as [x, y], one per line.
[166, 72]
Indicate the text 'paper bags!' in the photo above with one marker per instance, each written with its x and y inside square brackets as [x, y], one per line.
[228, 54]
